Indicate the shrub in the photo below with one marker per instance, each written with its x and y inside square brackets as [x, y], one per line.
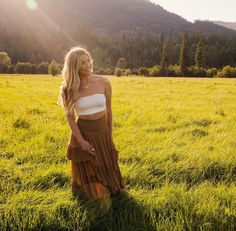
[143, 71]
[211, 72]
[154, 71]
[174, 70]
[118, 72]
[42, 68]
[34, 69]
[127, 72]
[202, 73]
[3, 69]
[227, 71]
[27, 68]
[192, 71]
[134, 71]
[5, 61]
[11, 69]
[234, 72]
[23, 68]
[53, 68]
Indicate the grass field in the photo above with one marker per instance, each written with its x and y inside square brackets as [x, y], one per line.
[177, 143]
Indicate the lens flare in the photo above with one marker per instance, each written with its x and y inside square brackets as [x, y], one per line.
[31, 4]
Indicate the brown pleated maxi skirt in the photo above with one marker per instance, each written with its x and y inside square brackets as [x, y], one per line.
[95, 176]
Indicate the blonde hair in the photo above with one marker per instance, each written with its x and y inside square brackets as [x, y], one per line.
[69, 94]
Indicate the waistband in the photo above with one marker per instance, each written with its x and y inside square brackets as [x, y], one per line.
[92, 125]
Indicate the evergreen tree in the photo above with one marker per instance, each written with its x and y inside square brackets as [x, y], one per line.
[161, 42]
[166, 56]
[199, 55]
[183, 57]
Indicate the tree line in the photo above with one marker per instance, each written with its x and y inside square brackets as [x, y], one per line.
[191, 61]
[7, 67]
[189, 57]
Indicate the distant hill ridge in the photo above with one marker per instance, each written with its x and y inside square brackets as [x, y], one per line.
[102, 17]
[230, 25]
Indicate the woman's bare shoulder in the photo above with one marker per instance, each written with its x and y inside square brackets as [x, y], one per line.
[101, 78]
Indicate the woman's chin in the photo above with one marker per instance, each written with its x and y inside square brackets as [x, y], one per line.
[86, 73]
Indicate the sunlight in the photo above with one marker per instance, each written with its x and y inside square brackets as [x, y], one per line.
[35, 11]
[31, 4]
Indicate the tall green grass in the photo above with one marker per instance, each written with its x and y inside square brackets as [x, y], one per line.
[176, 138]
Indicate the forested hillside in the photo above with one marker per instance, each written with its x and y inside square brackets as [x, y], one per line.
[110, 29]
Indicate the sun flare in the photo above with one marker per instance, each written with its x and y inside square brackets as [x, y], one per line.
[31, 4]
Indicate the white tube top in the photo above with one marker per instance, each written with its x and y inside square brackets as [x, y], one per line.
[90, 104]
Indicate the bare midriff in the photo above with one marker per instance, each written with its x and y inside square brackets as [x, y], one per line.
[94, 116]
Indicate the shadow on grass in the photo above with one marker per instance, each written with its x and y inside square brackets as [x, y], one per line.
[125, 213]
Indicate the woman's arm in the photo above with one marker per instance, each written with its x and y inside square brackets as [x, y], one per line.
[74, 128]
[108, 94]
[84, 144]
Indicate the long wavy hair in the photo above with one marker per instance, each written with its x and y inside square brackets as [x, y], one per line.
[69, 89]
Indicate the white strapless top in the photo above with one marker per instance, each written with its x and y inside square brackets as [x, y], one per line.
[90, 104]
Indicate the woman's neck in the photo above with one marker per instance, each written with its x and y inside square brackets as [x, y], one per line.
[85, 79]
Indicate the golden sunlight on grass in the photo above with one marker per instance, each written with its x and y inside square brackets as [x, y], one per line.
[176, 138]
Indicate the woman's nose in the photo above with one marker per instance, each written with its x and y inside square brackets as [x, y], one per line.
[87, 65]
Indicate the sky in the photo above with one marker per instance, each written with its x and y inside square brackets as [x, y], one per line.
[218, 10]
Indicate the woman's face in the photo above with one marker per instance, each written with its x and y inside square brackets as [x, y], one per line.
[85, 66]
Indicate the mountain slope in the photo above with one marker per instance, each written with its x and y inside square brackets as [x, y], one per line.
[230, 25]
[101, 17]
[56, 25]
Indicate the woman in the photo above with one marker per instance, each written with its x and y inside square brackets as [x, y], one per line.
[93, 155]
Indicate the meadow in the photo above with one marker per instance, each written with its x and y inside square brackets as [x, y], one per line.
[177, 155]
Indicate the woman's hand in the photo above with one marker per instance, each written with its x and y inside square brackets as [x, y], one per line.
[87, 147]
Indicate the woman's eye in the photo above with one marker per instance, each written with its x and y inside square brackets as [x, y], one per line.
[88, 61]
